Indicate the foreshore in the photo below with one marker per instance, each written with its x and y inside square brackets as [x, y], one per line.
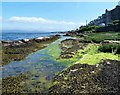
[96, 68]
[95, 63]
[18, 50]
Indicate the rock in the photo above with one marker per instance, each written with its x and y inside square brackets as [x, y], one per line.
[69, 47]
[102, 78]
[20, 42]
[74, 70]
[111, 41]
[39, 39]
[6, 43]
[25, 40]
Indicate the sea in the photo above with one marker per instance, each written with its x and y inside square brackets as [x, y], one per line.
[14, 36]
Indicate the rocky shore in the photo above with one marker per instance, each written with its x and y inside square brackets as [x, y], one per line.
[13, 84]
[101, 78]
[93, 79]
[79, 78]
[18, 50]
[25, 42]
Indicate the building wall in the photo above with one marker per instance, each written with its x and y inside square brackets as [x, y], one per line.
[108, 17]
[115, 28]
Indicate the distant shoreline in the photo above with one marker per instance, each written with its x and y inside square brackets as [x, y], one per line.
[19, 36]
[18, 50]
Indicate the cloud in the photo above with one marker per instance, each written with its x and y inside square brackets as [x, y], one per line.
[38, 20]
[82, 23]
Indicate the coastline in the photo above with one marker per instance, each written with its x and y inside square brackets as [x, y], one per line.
[95, 71]
[63, 80]
[18, 50]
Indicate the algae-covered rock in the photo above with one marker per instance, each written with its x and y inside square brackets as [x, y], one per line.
[70, 46]
[13, 84]
[84, 78]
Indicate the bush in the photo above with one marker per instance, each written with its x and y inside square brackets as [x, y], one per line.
[88, 28]
[112, 48]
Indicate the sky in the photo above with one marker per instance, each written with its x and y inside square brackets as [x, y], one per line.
[50, 16]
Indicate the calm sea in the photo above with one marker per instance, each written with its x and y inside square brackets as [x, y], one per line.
[19, 36]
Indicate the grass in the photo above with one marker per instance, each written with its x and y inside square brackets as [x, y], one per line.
[99, 37]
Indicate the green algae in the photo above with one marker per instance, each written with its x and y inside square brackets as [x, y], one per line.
[91, 55]
[54, 51]
[96, 58]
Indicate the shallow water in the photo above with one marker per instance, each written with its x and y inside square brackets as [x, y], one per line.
[41, 65]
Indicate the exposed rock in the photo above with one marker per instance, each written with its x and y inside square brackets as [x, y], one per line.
[70, 47]
[18, 50]
[111, 41]
[25, 40]
[39, 39]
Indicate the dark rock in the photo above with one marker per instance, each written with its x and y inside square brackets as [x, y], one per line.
[69, 47]
[83, 78]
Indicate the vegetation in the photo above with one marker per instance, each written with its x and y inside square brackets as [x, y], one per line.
[90, 70]
[100, 37]
[86, 54]
[112, 48]
[91, 55]
[88, 28]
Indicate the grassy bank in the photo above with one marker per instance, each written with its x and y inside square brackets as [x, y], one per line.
[100, 37]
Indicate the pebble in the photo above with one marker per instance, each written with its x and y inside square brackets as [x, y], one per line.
[74, 70]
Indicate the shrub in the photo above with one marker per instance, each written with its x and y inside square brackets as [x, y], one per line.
[112, 48]
[88, 28]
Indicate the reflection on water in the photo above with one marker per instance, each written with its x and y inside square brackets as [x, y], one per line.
[41, 66]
